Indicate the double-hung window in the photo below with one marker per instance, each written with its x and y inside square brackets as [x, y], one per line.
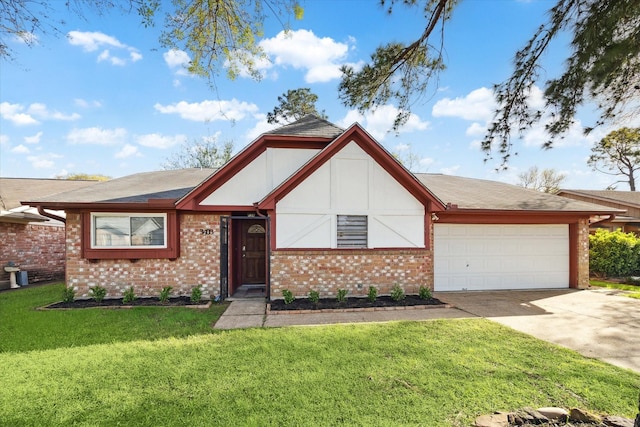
[135, 231]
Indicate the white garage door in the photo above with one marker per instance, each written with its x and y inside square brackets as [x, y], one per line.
[484, 257]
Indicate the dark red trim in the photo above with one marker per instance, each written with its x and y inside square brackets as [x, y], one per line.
[508, 217]
[222, 208]
[172, 250]
[242, 159]
[372, 148]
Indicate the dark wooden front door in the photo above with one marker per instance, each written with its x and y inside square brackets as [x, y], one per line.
[253, 252]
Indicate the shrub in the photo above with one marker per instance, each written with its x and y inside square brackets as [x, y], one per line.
[424, 292]
[342, 295]
[397, 293]
[98, 293]
[314, 296]
[68, 294]
[165, 293]
[635, 281]
[614, 254]
[129, 296]
[196, 294]
[372, 294]
[288, 296]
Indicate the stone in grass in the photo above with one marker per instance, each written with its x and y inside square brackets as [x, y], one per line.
[616, 421]
[579, 415]
[527, 416]
[499, 419]
[554, 413]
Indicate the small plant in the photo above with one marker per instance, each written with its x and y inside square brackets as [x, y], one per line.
[424, 293]
[196, 294]
[165, 293]
[372, 294]
[69, 294]
[342, 295]
[397, 293]
[129, 296]
[98, 293]
[314, 296]
[288, 296]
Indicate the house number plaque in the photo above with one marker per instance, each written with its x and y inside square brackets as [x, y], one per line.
[206, 231]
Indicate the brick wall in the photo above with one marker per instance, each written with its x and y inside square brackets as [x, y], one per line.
[355, 270]
[35, 248]
[198, 263]
[583, 253]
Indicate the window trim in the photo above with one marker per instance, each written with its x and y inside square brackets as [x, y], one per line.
[95, 215]
[365, 233]
[169, 250]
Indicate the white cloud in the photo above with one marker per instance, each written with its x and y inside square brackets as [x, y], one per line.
[97, 136]
[4, 139]
[26, 37]
[207, 111]
[45, 161]
[35, 139]
[426, 161]
[127, 151]
[378, 122]
[86, 104]
[302, 49]
[20, 149]
[13, 113]
[92, 41]
[476, 129]
[177, 60]
[478, 105]
[41, 111]
[450, 170]
[156, 140]
[260, 127]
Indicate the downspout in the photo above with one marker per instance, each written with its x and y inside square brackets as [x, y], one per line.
[44, 213]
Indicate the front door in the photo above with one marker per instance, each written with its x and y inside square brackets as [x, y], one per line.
[253, 252]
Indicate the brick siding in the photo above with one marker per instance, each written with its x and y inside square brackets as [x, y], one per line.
[583, 253]
[35, 248]
[355, 270]
[198, 263]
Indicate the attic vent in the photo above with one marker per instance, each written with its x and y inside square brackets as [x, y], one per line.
[352, 231]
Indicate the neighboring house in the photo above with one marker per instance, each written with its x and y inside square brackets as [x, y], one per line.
[628, 201]
[32, 241]
[311, 206]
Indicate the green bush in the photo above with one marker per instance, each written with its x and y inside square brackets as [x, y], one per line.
[342, 295]
[129, 296]
[165, 293]
[68, 294]
[98, 293]
[397, 293]
[424, 293]
[314, 296]
[196, 294]
[614, 254]
[372, 294]
[288, 296]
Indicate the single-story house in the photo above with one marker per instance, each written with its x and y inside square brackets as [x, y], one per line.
[311, 206]
[628, 201]
[34, 241]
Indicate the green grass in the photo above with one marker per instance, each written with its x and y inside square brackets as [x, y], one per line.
[634, 290]
[435, 373]
[22, 328]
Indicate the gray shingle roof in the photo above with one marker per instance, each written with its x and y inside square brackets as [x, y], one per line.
[310, 126]
[137, 188]
[15, 190]
[631, 198]
[471, 193]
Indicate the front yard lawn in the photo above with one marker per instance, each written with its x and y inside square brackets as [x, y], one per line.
[634, 291]
[434, 373]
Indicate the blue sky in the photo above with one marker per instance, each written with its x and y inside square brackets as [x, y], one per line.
[105, 98]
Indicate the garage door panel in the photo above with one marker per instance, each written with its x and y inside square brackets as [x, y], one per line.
[490, 256]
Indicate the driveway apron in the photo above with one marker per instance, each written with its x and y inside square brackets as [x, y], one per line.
[596, 323]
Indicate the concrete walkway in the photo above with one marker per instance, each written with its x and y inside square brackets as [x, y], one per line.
[596, 323]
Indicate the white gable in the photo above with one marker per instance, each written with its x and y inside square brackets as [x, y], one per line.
[350, 183]
[260, 177]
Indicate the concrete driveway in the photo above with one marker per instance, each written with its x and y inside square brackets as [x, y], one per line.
[596, 323]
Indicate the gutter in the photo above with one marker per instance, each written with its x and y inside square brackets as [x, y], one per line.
[42, 212]
[611, 218]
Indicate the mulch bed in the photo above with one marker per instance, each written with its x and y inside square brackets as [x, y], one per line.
[138, 302]
[353, 302]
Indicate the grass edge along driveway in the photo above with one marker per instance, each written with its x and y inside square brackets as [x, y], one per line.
[434, 373]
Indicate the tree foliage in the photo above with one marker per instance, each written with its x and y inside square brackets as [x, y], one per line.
[545, 180]
[204, 154]
[618, 154]
[84, 177]
[294, 105]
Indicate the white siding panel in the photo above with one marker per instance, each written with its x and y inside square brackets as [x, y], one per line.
[396, 231]
[303, 231]
[483, 257]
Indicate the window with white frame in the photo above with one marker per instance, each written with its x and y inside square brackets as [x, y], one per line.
[352, 231]
[115, 230]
